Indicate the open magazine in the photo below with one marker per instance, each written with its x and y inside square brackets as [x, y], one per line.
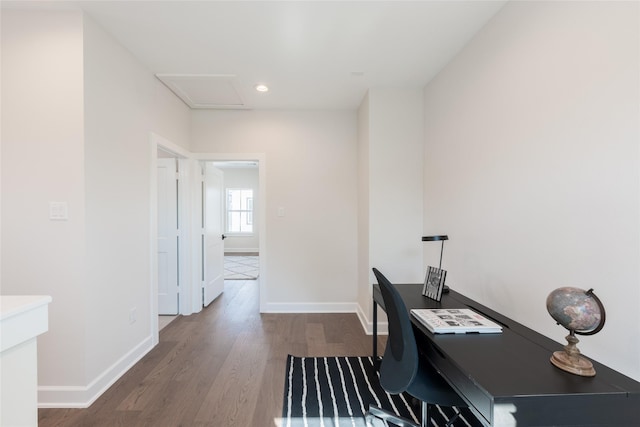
[455, 321]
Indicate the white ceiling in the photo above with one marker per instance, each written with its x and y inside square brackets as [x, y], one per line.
[311, 54]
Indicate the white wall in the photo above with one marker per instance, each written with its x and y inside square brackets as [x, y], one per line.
[395, 183]
[235, 177]
[42, 161]
[78, 111]
[390, 144]
[124, 103]
[311, 251]
[532, 166]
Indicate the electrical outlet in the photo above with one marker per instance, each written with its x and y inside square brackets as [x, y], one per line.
[132, 315]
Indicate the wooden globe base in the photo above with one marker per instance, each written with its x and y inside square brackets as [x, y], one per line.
[571, 360]
[578, 366]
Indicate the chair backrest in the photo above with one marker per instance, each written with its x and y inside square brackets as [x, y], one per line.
[400, 361]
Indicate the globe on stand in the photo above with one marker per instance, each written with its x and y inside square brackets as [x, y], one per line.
[582, 313]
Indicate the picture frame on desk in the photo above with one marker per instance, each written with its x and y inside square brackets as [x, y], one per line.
[434, 283]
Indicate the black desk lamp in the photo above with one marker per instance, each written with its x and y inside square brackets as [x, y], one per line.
[440, 238]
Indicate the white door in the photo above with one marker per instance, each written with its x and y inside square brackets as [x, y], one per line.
[214, 234]
[167, 237]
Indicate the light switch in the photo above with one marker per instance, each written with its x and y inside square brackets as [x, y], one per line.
[58, 211]
[280, 211]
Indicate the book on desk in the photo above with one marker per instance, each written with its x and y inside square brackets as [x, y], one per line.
[455, 321]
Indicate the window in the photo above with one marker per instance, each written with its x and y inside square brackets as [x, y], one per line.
[239, 210]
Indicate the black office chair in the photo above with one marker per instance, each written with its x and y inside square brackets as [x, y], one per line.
[402, 369]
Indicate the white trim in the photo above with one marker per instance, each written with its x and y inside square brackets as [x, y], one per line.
[153, 233]
[83, 397]
[367, 325]
[364, 321]
[224, 157]
[186, 206]
[190, 301]
[310, 307]
[193, 300]
[169, 146]
[190, 294]
[241, 250]
[157, 142]
[261, 158]
[172, 82]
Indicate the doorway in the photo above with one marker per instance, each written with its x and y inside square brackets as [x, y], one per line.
[242, 225]
[170, 251]
[257, 161]
[190, 247]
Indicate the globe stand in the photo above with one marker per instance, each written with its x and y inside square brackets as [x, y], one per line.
[571, 360]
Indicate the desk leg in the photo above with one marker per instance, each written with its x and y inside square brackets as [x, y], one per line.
[375, 335]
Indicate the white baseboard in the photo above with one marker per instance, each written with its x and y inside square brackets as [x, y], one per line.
[241, 250]
[338, 307]
[367, 325]
[84, 396]
[332, 307]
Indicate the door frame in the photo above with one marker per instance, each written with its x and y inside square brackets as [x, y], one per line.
[170, 195]
[260, 158]
[189, 205]
[185, 197]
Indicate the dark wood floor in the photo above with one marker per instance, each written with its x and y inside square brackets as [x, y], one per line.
[222, 367]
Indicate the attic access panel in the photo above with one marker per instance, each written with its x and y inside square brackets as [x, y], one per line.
[216, 91]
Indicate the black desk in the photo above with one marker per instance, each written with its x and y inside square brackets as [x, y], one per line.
[508, 380]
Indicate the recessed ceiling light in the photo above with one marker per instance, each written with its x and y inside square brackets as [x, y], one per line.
[262, 88]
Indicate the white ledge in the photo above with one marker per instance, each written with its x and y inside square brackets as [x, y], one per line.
[22, 317]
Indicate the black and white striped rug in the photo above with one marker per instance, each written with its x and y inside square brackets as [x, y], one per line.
[337, 391]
